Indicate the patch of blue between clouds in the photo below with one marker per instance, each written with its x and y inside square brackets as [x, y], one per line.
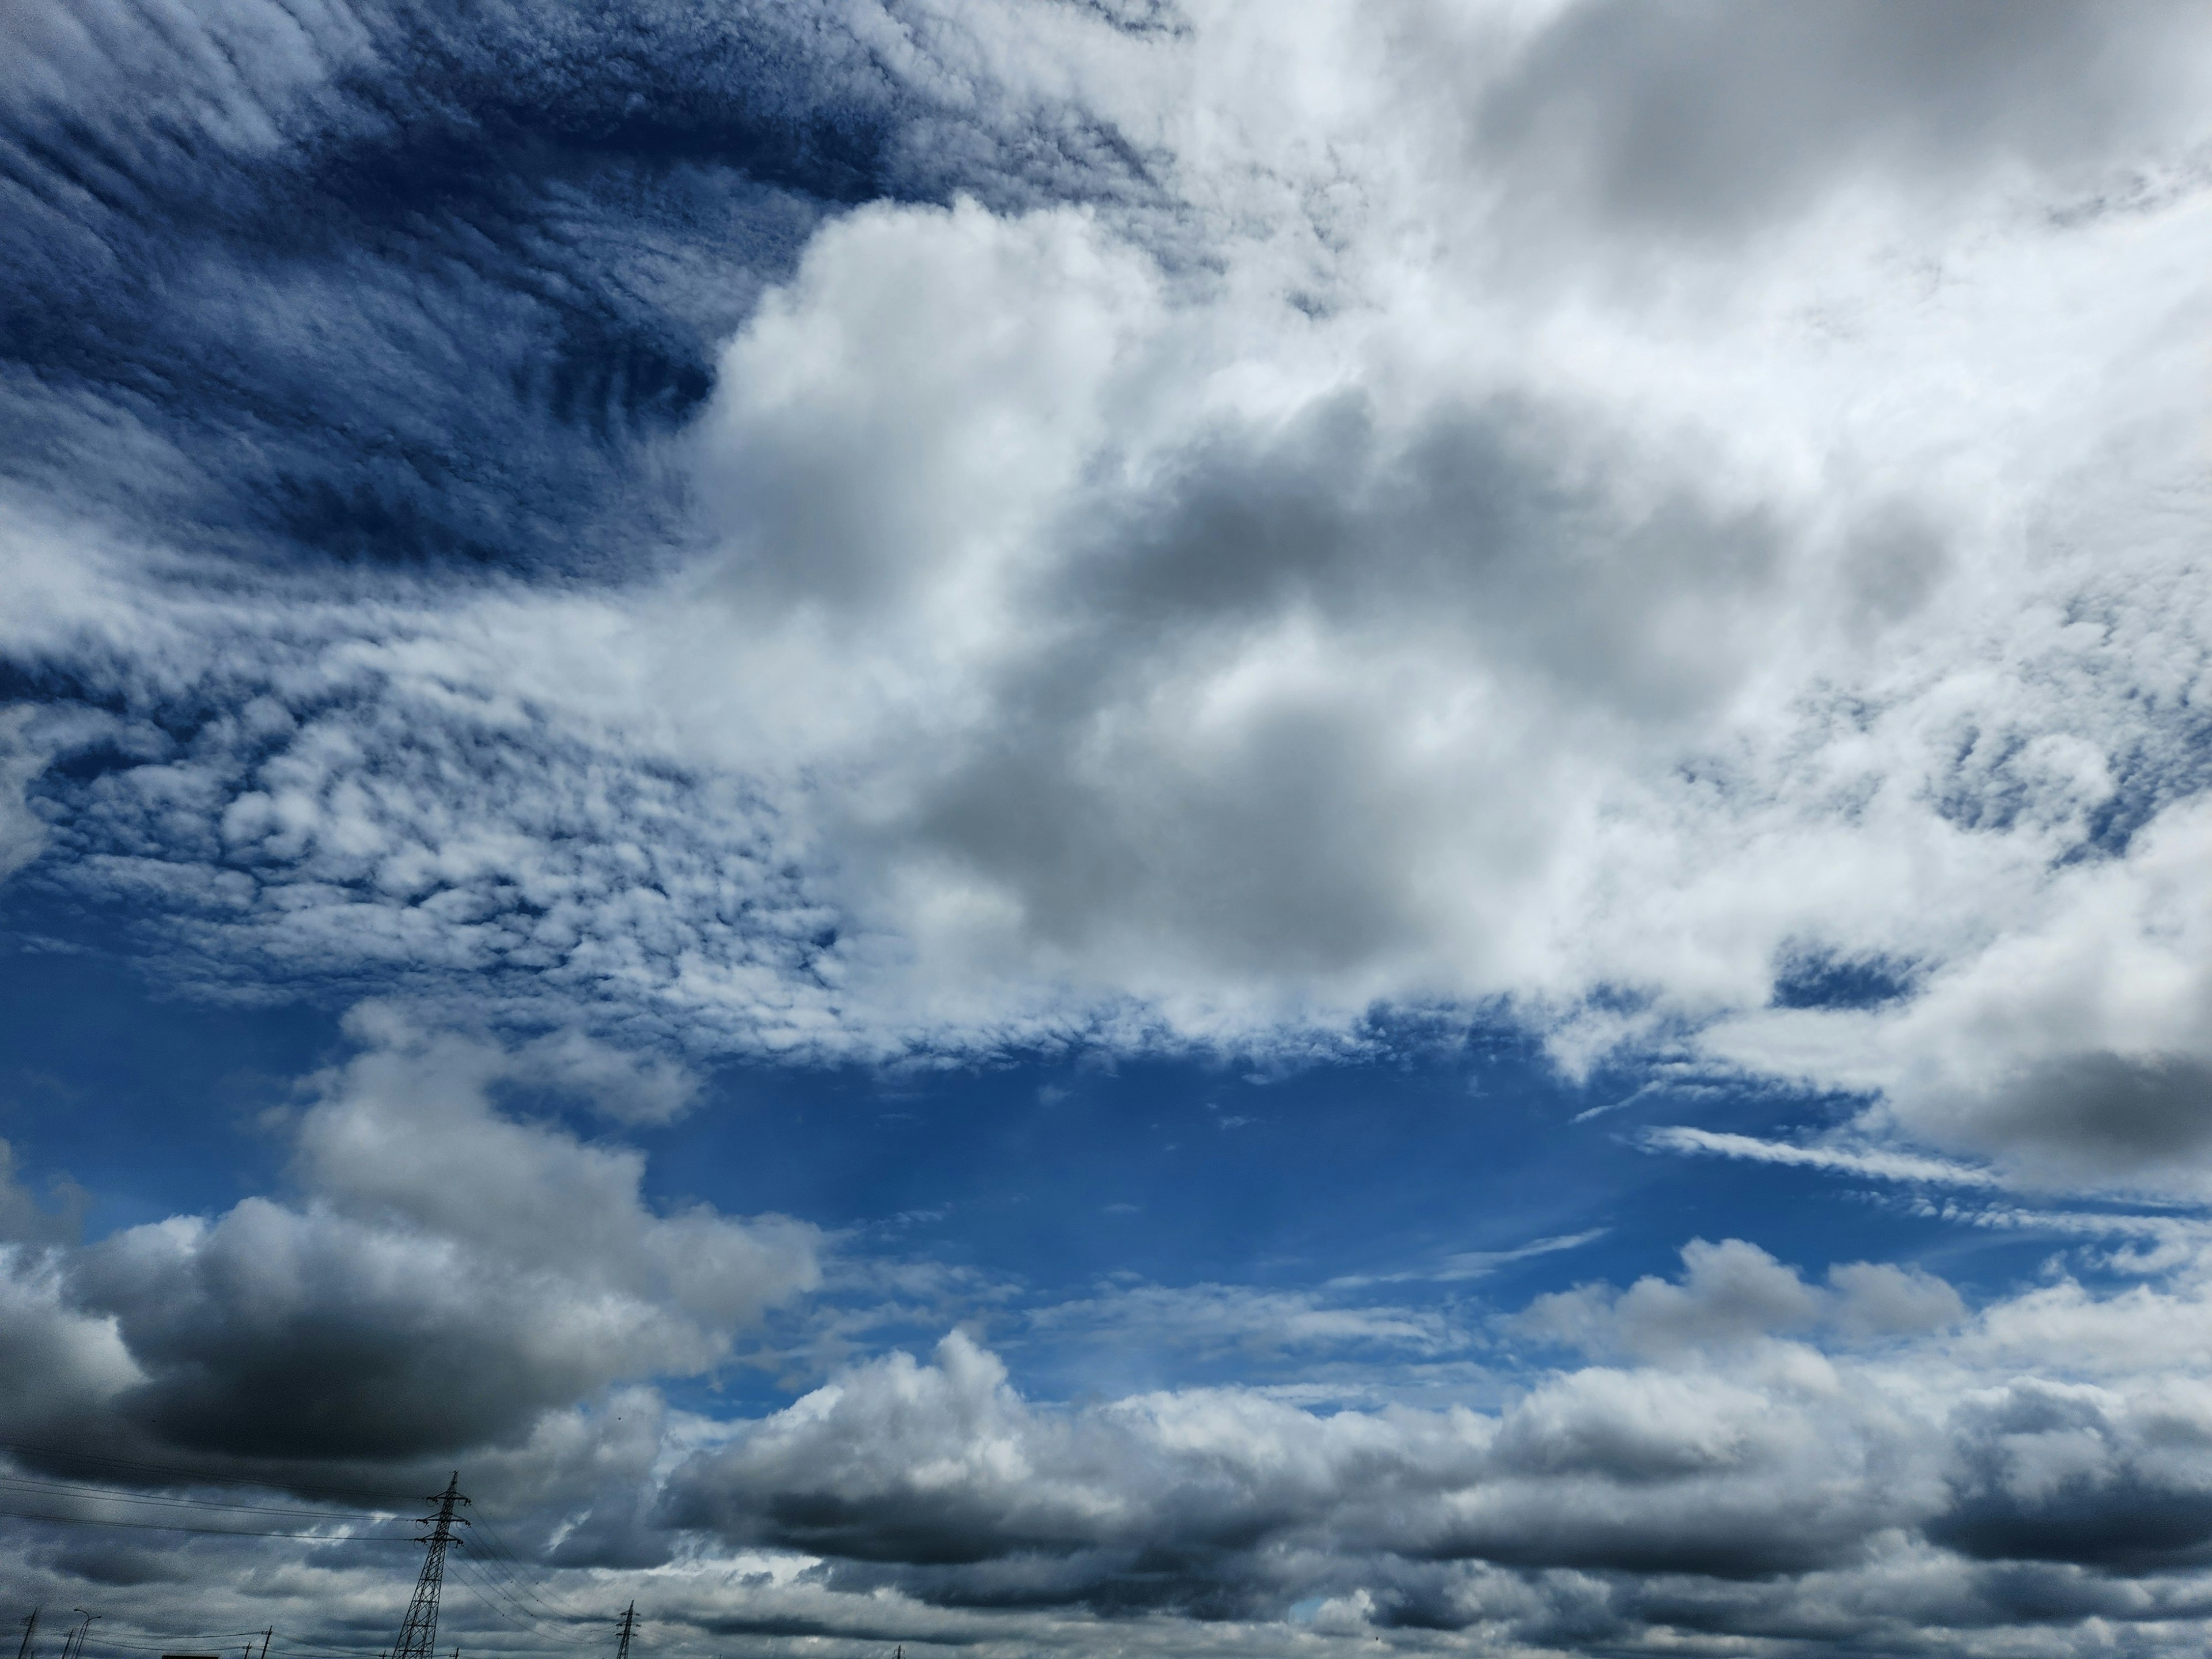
[1107, 1228]
[1820, 979]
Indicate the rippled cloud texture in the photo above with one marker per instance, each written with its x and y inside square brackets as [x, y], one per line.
[631, 539]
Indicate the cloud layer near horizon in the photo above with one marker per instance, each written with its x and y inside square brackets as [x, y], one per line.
[1730, 1453]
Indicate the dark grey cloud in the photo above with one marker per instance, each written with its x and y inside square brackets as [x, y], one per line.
[1755, 1489]
[1522, 530]
[1728, 1483]
[944, 1481]
[2079, 1475]
[1705, 116]
[449, 1280]
[58, 1366]
[279, 1335]
[2089, 1117]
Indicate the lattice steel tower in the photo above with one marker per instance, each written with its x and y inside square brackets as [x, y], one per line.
[419, 1634]
[629, 1623]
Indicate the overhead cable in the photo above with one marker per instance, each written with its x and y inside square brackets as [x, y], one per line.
[192, 1475]
[77, 1489]
[212, 1531]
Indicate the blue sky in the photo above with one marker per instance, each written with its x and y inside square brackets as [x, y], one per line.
[1045, 1176]
[1111, 828]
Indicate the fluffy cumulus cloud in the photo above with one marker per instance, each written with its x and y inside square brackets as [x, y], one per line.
[1732, 1290]
[1730, 1453]
[445, 1277]
[1752, 1456]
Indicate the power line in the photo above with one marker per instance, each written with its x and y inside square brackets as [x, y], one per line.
[187, 1474]
[508, 1592]
[493, 1543]
[512, 1609]
[497, 1576]
[513, 1576]
[501, 1572]
[536, 1574]
[211, 1532]
[487, 1590]
[492, 1552]
[74, 1489]
[189, 1636]
[167, 1645]
[563, 1620]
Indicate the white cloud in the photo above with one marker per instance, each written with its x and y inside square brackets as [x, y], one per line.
[1762, 1456]
[449, 1277]
[1878, 1162]
[1731, 1477]
[1095, 652]
[1224, 1319]
[59, 1362]
[1462, 1265]
[1793, 1464]
[1087, 645]
[1732, 1293]
[1703, 120]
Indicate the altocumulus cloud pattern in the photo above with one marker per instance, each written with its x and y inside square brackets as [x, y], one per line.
[1110, 827]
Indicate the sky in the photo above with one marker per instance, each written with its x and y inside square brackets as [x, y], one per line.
[1108, 827]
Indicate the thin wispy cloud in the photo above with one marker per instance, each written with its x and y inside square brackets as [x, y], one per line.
[1874, 1163]
[1464, 1265]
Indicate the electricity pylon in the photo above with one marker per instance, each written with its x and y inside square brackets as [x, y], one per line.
[629, 1623]
[30, 1628]
[418, 1632]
